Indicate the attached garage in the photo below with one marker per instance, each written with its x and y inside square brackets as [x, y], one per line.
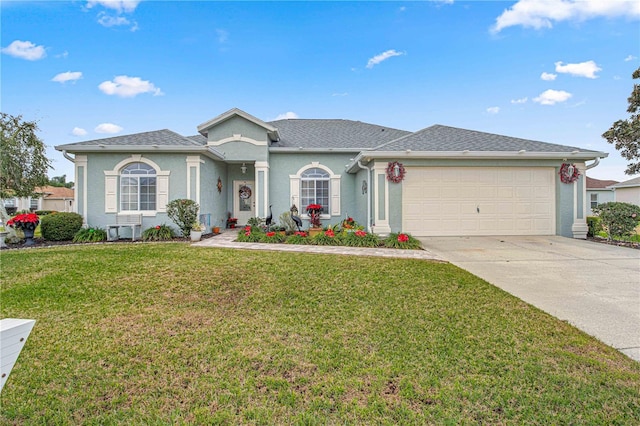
[456, 201]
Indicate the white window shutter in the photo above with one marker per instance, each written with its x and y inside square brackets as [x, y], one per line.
[335, 196]
[163, 193]
[294, 188]
[111, 194]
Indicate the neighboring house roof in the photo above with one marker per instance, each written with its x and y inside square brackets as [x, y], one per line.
[599, 184]
[445, 138]
[333, 133]
[628, 183]
[55, 192]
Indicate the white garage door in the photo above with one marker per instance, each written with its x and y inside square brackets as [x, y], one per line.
[450, 201]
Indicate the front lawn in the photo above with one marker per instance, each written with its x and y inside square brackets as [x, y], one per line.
[166, 333]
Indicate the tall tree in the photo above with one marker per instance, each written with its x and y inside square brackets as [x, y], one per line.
[23, 160]
[625, 134]
[60, 182]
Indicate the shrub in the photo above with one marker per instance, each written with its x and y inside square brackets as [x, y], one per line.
[45, 212]
[183, 212]
[60, 226]
[360, 238]
[618, 219]
[90, 235]
[595, 225]
[250, 234]
[271, 237]
[287, 223]
[402, 241]
[326, 238]
[299, 237]
[158, 233]
[256, 222]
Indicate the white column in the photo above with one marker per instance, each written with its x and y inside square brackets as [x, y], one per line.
[580, 227]
[262, 193]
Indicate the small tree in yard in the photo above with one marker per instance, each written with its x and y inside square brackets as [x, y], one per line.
[23, 161]
[184, 213]
[619, 219]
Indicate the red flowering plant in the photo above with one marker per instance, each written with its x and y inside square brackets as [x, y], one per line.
[402, 241]
[314, 211]
[24, 221]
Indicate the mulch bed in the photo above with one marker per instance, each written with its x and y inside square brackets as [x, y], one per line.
[41, 243]
[628, 244]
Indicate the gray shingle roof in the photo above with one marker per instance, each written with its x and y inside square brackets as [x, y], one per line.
[329, 133]
[201, 140]
[445, 138]
[157, 137]
[627, 183]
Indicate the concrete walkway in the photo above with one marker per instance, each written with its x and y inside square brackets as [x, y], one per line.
[227, 237]
[593, 286]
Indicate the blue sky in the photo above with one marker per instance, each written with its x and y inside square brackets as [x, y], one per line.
[556, 71]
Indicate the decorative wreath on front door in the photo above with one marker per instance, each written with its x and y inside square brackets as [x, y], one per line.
[569, 173]
[395, 172]
[245, 192]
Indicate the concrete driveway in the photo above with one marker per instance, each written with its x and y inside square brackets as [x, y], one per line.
[593, 286]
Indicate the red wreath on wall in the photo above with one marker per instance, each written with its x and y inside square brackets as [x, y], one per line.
[569, 173]
[395, 172]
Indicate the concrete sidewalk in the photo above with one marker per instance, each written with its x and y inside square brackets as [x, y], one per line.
[593, 286]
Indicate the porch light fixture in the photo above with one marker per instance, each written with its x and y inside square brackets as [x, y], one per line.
[570, 170]
[243, 168]
[396, 170]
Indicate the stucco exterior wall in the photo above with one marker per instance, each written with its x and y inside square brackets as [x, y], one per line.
[628, 195]
[604, 196]
[236, 126]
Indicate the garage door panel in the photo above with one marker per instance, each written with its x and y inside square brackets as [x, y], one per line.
[511, 201]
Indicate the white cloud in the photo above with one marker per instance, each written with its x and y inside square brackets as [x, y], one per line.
[383, 57]
[128, 87]
[519, 101]
[63, 55]
[112, 21]
[543, 13]
[25, 50]
[340, 94]
[67, 76]
[630, 58]
[287, 115]
[547, 76]
[552, 97]
[108, 128]
[493, 110]
[583, 69]
[78, 131]
[402, 8]
[117, 5]
[223, 36]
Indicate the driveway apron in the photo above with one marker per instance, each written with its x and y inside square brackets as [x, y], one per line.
[593, 286]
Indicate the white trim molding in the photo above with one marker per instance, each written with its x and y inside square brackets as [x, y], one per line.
[381, 221]
[237, 138]
[334, 190]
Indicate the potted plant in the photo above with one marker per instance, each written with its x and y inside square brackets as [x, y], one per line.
[196, 231]
[27, 222]
[314, 211]
[232, 222]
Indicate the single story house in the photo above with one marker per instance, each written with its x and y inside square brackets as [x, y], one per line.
[627, 191]
[439, 181]
[51, 198]
[598, 192]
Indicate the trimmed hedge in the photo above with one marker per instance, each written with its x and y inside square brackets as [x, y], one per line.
[60, 226]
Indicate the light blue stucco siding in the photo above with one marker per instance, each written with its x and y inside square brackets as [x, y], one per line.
[237, 126]
[282, 165]
[98, 163]
[212, 202]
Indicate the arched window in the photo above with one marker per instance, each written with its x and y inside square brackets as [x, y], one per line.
[138, 187]
[314, 188]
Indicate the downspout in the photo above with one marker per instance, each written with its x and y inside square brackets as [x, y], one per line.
[67, 156]
[368, 194]
[592, 165]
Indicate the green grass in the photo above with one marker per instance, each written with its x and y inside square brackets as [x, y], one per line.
[165, 333]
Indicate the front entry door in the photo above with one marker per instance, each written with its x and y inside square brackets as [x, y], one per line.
[244, 203]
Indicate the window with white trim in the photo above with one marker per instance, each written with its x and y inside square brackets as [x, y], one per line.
[138, 187]
[314, 188]
[594, 201]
